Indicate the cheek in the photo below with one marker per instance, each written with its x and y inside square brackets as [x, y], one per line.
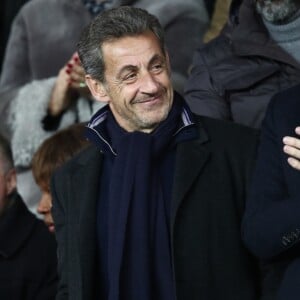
[3, 190]
[128, 92]
[2, 196]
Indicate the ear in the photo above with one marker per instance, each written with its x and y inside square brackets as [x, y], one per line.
[97, 89]
[11, 181]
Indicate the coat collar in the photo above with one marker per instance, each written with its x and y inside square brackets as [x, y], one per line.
[15, 227]
[191, 157]
[187, 154]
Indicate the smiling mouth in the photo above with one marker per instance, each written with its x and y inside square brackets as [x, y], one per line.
[148, 99]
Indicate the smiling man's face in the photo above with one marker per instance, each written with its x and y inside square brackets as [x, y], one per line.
[137, 83]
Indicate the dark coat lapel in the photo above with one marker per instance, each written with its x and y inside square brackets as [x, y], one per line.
[87, 175]
[191, 157]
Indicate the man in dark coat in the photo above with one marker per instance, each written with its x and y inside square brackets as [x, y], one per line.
[27, 249]
[47, 86]
[234, 76]
[152, 209]
[271, 225]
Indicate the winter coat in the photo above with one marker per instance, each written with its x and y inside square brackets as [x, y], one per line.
[210, 261]
[234, 76]
[27, 255]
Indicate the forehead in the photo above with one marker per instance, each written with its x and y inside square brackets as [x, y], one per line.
[131, 50]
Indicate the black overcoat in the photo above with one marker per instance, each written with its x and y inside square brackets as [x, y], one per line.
[210, 184]
[28, 264]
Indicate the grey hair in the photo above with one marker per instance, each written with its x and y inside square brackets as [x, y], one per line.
[110, 25]
[6, 157]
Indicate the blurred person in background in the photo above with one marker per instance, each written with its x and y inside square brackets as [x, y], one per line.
[27, 250]
[9, 10]
[257, 54]
[51, 154]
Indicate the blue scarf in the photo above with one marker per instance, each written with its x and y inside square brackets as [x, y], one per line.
[139, 264]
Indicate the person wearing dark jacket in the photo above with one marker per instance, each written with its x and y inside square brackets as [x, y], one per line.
[42, 85]
[271, 224]
[234, 76]
[152, 209]
[27, 250]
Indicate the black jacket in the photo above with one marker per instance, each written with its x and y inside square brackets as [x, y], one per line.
[27, 256]
[271, 225]
[235, 75]
[210, 183]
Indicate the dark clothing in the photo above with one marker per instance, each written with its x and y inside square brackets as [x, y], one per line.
[210, 6]
[27, 256]
[271, 224]
[9, 10]
[135, 255]
[209, 186]
[235, 75]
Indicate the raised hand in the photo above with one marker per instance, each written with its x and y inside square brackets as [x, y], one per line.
[292, 148]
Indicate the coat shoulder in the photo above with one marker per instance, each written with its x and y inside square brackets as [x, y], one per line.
[230, 139]
[90, 153]
[228, 130]
[286, 100]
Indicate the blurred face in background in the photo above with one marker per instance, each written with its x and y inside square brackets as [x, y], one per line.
[44, 208]
[8, 183]
[277, 11]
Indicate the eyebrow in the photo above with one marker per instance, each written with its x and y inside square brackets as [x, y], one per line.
[155, 58]
[126, 68]
[134, 68]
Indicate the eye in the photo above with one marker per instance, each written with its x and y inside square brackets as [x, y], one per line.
[157, 68]
[130, 77]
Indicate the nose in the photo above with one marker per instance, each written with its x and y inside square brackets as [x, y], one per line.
[149, 84]
[44, 206]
